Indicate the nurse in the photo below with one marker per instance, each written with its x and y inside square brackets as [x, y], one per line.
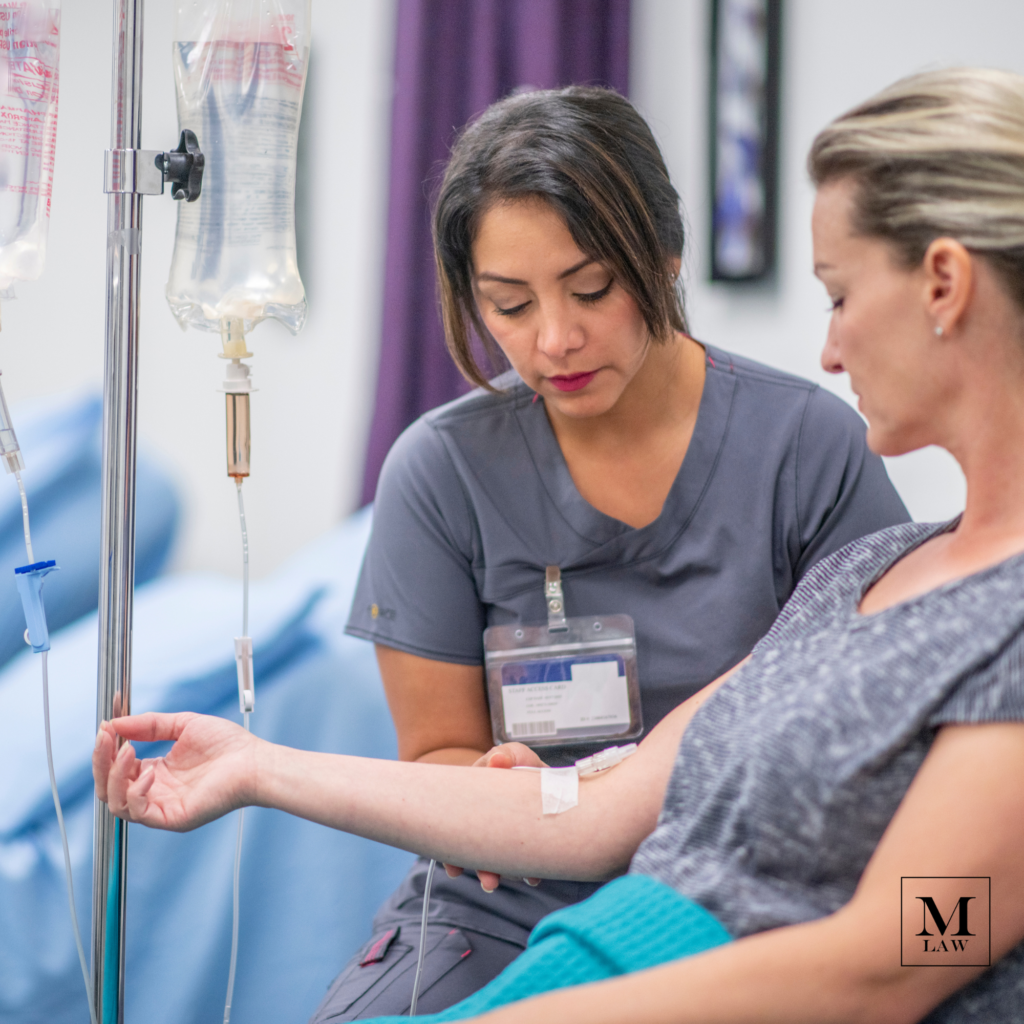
[666, 479]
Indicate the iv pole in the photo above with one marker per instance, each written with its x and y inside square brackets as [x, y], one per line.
[129, 173]
[117, 544]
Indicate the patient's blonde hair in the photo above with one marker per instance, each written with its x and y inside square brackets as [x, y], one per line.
[937, 155]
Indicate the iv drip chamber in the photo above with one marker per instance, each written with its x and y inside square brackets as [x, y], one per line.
[238, 434]
[237, 388]
[10, 450]
[240, 72]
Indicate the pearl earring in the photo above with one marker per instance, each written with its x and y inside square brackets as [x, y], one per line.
[938, 330]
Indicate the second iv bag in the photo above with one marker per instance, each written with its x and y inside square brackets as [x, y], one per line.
[29, 51]
[240, 71]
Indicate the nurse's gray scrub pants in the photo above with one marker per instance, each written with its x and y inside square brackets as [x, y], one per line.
[471, 937]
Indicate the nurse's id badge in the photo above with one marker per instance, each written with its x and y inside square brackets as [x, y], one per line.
[567, 681]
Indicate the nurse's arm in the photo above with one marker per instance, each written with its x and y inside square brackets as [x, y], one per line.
[963, 816]
[439, 708]
[486, 819]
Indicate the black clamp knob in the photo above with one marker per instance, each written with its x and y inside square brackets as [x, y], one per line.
[183, 167]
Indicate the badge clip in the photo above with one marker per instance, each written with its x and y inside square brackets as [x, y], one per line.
[555, 600]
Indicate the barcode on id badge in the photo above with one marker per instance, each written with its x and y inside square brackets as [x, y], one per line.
[533, 729]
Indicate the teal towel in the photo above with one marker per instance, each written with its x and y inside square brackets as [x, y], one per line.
[628, 925]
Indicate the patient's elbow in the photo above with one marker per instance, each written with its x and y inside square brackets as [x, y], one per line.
[865, 977]
[897, 994]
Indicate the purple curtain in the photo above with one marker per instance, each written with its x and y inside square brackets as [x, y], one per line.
[452, 59]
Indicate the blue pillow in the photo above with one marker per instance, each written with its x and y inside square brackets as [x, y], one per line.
[60, 440]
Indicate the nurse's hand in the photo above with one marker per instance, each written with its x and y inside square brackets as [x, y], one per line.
[510, 755]
[507, 755]
[204, 775]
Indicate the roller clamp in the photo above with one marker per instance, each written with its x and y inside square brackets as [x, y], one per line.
[30, 589]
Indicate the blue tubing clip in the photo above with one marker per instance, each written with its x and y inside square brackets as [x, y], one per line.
[30, 588]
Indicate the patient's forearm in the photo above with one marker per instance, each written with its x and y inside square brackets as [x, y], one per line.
[476, 818]
[483, 818]
[469, 816]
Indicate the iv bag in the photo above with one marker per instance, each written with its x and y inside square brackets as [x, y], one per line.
[240, 71]
[29, 50]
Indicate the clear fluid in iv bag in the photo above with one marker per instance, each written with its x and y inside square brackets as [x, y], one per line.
[29, 51]
[240, 90]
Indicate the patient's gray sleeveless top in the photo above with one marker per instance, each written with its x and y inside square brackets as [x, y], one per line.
[789, 774]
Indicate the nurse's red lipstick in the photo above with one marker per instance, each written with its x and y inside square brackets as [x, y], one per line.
[573, 381]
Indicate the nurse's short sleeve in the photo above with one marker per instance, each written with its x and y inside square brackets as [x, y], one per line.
[416, 590]
[842, 489]
[992, 693]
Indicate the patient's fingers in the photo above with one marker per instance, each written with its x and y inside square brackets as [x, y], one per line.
[152, 726]
[102, 758]
[123, 771]
[137, 794]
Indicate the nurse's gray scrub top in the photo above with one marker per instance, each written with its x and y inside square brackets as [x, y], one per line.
[475, 500]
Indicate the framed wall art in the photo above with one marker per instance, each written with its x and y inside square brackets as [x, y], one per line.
[744, 127]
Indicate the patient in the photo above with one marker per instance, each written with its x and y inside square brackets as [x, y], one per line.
[875, 734]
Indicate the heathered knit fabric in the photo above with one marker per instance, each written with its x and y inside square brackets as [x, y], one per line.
[788, 776]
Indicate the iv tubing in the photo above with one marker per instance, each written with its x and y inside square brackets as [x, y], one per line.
[24, 523]
[241, 813]
[63, 833]
[423, 938]
[53, 778]
[234, 906]
[245, 559]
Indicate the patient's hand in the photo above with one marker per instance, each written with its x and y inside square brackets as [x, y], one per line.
[208, 771]
[507, 755]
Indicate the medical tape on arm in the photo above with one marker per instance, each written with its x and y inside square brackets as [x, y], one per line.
[560, 787]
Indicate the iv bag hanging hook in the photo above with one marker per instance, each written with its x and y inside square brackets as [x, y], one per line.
[144, 171]
[183, 167]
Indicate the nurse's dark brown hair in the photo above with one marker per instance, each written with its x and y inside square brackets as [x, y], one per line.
[592, 157]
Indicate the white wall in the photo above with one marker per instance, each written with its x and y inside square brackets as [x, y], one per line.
[835, 53]
[311, 414]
